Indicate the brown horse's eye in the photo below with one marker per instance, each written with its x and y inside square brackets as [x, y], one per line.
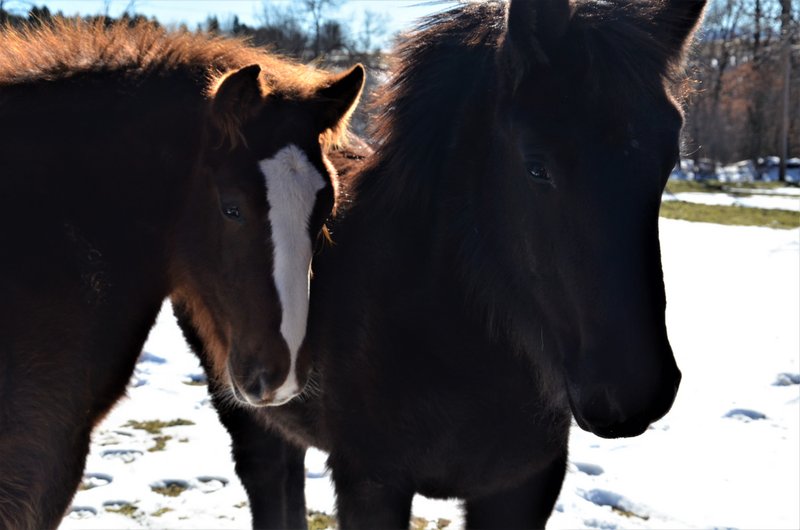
[232, 212]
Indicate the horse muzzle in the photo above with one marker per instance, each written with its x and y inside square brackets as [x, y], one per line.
[258, 383]
[623, 410]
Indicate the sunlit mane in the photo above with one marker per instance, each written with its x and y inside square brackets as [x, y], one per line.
[67, 48]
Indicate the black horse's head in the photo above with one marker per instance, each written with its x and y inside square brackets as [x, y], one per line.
[556, 131]
[586, 132]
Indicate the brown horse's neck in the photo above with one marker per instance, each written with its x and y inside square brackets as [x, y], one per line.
[99, 169]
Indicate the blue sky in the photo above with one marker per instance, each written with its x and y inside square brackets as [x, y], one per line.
[400, 13]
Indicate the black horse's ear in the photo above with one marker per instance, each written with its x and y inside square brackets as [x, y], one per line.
[673, 23]
[336, 100]
[239, 93]
[534, 29]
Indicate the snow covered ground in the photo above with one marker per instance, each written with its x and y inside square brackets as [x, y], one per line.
[784, 201]
[726, 456]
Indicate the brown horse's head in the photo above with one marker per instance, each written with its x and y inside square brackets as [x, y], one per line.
[243, 267]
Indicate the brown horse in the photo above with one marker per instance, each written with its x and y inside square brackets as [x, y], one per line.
[497, 271]
[137, 164]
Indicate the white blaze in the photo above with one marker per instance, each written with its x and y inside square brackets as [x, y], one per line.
[292, 186]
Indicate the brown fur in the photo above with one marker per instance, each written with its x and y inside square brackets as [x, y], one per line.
[112, 184]
[68, 47]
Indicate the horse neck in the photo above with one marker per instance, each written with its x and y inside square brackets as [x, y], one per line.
[112, 164]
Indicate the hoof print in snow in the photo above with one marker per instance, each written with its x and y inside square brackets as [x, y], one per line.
[618, 503]
[211, 484]
[745, 415]
[82, 512]
[169, 488]
[125, 455]
[137, 379]
[787, 379]
[125, 508]
[94, 480]
[317, 473]
[147, 357]
[196, 380]
[602, 525]
[589, 469]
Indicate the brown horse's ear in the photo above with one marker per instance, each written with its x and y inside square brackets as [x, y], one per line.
[239, 94]
[336, 100]
[534, 31]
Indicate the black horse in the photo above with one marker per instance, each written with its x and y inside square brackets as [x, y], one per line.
[495, 269]
[137, 164]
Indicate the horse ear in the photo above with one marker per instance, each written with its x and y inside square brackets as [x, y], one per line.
[337, 99]
[239, 93]
[674, 22]
[534, 30]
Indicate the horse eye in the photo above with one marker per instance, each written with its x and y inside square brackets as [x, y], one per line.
[538, 173]
[231, 212]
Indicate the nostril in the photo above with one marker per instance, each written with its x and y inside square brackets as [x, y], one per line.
[263, 384]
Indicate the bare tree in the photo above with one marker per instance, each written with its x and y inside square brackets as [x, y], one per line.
[786, 45]
[740, 65]
[317, 9]
[373, 27]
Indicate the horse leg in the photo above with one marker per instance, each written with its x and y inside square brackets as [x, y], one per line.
[48, 410]
[366, 504]
[266, 464]
[40, 468]
[295, 487]
[528, 505]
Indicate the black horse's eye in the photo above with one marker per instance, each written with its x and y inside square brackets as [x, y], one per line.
[538, 173]
[232, 212]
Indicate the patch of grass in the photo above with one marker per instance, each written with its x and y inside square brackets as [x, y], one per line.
[441, 524]
[161, 443]
[155, 426]
[730, 215]
[240, 504]
[629, 514]
[183, 440]
[683, 186]
[173, 489]
[772, 185]
[128, 510]
[715, 186]
[320, 521]
[160, 512]
[418, 523]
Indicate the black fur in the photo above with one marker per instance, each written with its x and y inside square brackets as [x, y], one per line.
[497, 268]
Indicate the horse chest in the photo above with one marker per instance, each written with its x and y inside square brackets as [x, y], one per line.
[454, 426]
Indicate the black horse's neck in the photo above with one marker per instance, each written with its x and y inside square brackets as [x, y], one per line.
[430, 205]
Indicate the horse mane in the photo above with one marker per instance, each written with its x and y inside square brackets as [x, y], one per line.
[64, 48]
[613, 41]
[450, 55]
[438, 66]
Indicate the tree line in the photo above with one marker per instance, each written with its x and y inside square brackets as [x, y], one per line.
[743, 100]
[745, 71]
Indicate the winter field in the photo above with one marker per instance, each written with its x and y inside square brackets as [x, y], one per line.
[726, 456]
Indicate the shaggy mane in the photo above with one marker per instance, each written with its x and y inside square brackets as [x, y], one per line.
[444, 63]
[68, 47]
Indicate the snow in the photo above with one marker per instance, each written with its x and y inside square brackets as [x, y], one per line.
[768, 201]
[726, 456]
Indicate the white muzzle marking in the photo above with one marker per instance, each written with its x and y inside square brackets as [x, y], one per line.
[292, 187]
